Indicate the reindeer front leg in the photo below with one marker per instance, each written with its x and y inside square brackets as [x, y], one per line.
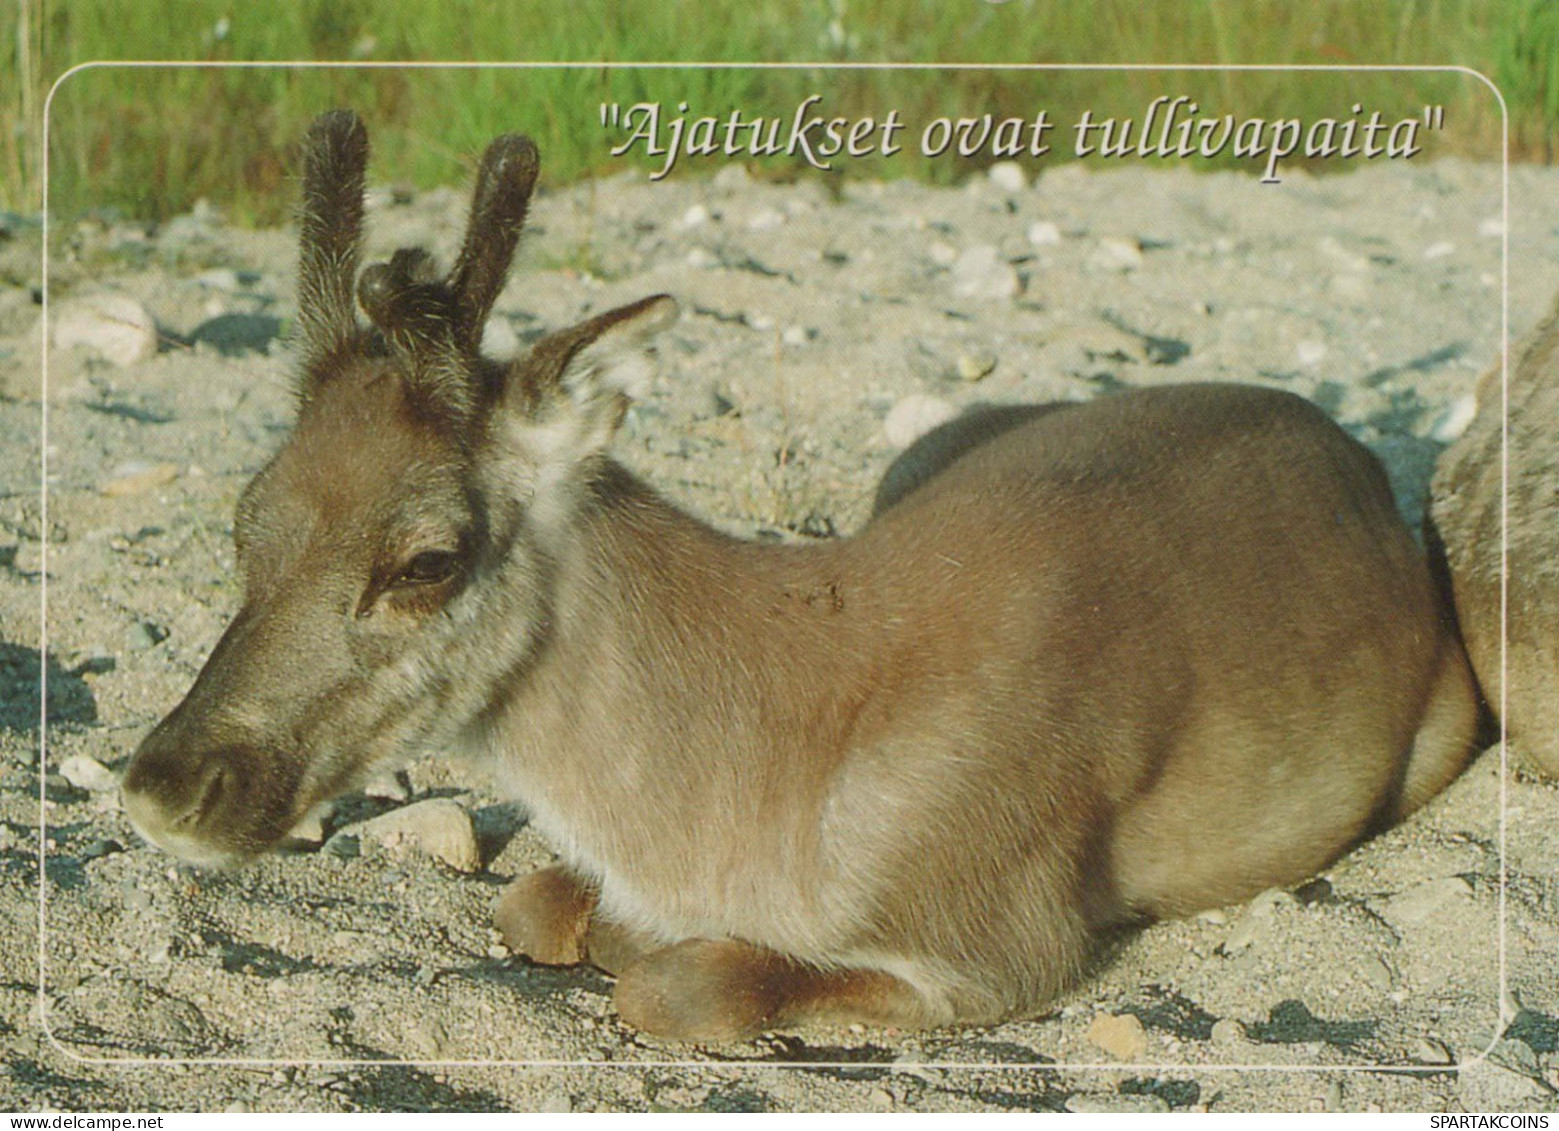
[549, 916]
[544, 916]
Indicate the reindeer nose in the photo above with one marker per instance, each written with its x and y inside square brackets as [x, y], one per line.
[176, 787]
[182, 800]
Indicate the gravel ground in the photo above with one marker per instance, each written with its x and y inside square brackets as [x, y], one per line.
[819, 330]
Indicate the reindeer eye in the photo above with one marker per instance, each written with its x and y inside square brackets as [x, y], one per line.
[428, 568]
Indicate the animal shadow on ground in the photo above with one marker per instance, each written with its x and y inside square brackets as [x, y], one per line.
[22, 675]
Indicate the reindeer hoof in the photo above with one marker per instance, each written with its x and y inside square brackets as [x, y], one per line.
[544, 915]
[700, 990]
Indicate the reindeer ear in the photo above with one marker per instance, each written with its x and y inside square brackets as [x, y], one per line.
[615, 359]
[576, 384]
[335, 156]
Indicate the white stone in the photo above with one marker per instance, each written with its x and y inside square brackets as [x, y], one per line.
[1455, 419]
[1044, 233]
[311, 829]
[1426, 900]
[1008, 176]
[112, 326]
[438, 826]
[942, 254]
[914, 416]
[1116, 253]
[1228, 1032]
[731, 178]
[1253, 924]
[1310, 353]
[695, 216]
[975, 366]
[766, 220]
[981, 272]
[1439, 250]
[1103, 1103]
[88, 774]
[387, 787]
[1121, 1035]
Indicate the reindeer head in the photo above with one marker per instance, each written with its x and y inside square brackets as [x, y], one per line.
[397, 554]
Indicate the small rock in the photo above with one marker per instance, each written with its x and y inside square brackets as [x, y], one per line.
[981, 272]
[438, 826]
[311, 829]
[1116, 253]
[1008, 176]
[561, 1103]
[1439, 250]
[219, 279]
[158, 948]
[1044, 233]
[344, 846]
[1333, 1098]
[696, 216]
[1430, 1051]
[1455, 419]
[880, 1099]
[143, 634]
[427, 1035]
[1106, 1103]
[1255, 920]
[88, 774]
[913, 416]
[136, 477]
[1310, 353]
[732, 178]
[911, 1062]
[942, 254]
[388, 787]
[1228, 1032]
[112, 326]
[101, 848]
[1377, 973]
[1120, 1035]
[797, 335]
[1491, 226]
[1426, 900]
[766, 220]
[975, 366]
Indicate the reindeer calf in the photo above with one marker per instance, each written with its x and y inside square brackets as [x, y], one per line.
[1121, 660]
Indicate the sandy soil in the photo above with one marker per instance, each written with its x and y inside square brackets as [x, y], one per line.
[1417, 973]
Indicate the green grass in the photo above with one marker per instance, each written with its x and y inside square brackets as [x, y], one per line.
[149, 142]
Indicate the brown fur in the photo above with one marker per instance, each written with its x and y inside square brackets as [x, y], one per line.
[1147, 655]
[1465, 508]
